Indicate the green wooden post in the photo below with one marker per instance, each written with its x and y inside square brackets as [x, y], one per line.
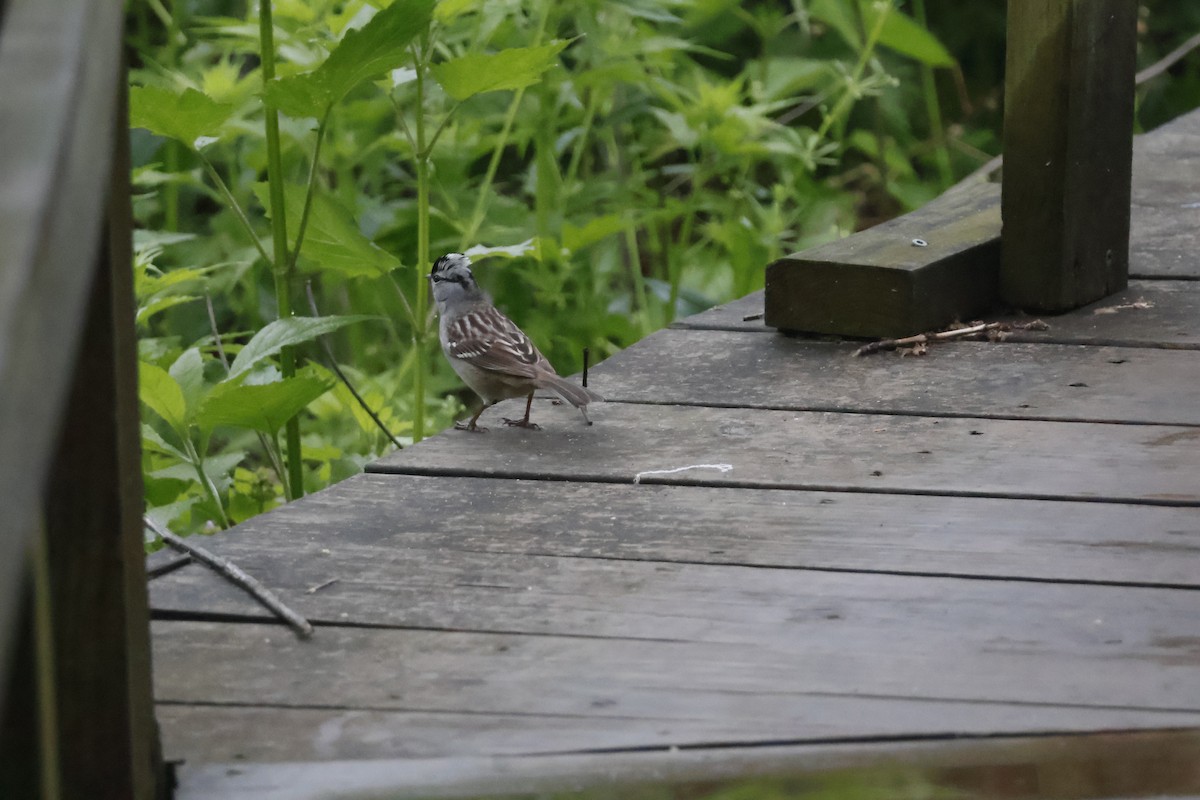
[1068, 130]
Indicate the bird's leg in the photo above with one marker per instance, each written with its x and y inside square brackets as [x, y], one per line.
[524, 423]
[471, 426]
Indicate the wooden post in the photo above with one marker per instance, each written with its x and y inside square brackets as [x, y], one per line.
[1068, 130]
[107, 736]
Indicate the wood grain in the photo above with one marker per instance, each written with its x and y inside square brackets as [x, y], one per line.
[980, 379]
[1067, 151]
[826, 450]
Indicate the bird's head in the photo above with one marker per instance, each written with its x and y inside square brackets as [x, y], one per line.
[452, 279]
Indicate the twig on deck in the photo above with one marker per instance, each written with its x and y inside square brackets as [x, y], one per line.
[312, 304]
[236, 575]
[990, 329]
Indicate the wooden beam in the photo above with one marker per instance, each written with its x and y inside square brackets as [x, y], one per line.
[883, 282]
[1068, 128]
[59, 69]
[107, 736]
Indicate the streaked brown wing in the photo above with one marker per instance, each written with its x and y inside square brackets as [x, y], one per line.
[489, 340]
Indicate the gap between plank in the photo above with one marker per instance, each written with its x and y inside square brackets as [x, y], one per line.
[175, 615]
[852, 740]
[962, 576]
[817, 409]
[458, 472]
[975, 701]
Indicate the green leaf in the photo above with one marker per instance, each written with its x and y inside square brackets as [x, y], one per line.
[839, 15]
[158, 390]
[151, 440]
[377, 47]
[264, 408]
[596, 229]
[283, 333]
[508, 251]
[188, 372]
[515, 68]
[447, 10]
[304, 95]
[332, 239]
[903, 34]
[148, 310]
[185, 117]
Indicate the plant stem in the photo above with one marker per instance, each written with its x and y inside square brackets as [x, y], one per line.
[205, 481]
[933, 110]
[851, 93]
[308, 194]
[485, 188]
[223, 188]
[421, 289]
[283, 300]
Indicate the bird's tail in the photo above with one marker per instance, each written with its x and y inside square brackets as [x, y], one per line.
[577, 396]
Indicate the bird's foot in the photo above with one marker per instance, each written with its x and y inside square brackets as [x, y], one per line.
[522, 423]
[470, 427]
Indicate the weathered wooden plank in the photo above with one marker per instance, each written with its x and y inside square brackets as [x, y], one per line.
[831, 451]
[1103, 765]
[453, 589]
[244, 735]
[385, 582]
[58, 73]
[878, 283]
[1165, 240]
[1104, 667]
[1147, 313]
[339, 534]
[1067, 147]
[978, 379]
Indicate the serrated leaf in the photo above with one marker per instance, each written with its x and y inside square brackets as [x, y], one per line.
[332, 239]
[158, 390]
[264, 408]
[515, 68]
[185, 117]
[374, 49]
[303, 95]
[283, 333]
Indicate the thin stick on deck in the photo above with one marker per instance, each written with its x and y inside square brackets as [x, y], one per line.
[945, 336]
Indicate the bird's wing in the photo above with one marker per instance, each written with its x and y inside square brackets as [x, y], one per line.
[491, 341]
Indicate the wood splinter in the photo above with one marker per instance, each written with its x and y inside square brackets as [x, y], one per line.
[992, 330]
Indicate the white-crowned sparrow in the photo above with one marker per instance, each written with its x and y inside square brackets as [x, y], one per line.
[487, 349]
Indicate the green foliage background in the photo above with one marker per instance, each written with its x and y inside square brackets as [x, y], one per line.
[615, 164]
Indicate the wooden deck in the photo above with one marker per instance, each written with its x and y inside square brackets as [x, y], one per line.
[994, 541]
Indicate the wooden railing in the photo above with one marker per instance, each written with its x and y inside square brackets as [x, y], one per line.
[76, 717]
